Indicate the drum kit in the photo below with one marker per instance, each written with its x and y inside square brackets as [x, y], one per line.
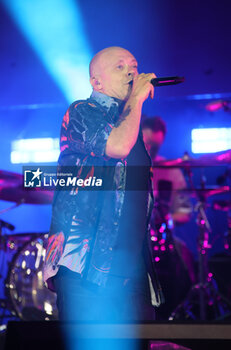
[27, 298]
[203, 300]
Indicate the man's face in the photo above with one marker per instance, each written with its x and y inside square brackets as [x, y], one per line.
[153, 141]
[116, 68]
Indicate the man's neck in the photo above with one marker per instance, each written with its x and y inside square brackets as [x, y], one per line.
[108, 101]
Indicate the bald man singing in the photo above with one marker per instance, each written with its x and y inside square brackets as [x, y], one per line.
[98, 258]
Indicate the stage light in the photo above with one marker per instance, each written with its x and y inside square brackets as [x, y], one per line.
[48, 308]
[217, 105]
[210, 140]
[40, 150]
[55, 31]
[217, 96]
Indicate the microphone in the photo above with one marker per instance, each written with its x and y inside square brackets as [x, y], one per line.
[167, 81]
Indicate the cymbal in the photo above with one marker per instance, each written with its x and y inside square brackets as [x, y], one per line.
[181, 163]
[32, 196]
[207, 160]
[211, 191]
[223, 157]
[9, 179]
[12, 190]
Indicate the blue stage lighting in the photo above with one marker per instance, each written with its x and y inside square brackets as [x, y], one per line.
[55, 31]
[41, 150]
[211, 140]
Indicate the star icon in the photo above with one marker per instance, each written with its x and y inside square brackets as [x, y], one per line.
[36, 174]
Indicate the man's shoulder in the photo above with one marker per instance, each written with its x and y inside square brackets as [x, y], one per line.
[87, 108]
[88, 103]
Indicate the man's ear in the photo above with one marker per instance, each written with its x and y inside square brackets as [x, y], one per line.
[95, 83]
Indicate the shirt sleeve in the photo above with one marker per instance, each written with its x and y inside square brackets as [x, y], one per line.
[87, 129]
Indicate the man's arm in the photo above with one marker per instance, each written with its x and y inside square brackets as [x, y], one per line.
[125, 132]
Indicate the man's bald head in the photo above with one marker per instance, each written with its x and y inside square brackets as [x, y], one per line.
[110, 71]
[101, 56]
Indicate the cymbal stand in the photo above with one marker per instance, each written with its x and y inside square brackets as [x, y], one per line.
[205, 293]
[202, 247]
[227, 236]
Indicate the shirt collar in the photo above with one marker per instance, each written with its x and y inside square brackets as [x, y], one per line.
[105, 100]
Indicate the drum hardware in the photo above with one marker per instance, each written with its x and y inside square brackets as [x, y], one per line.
[227, 235]
[6, 225]
[227, 239]
[208, 192]
[222, 205]
[26, 196]
[162, 239]
[169, 252]
[216, 105]
[207, 160]
[161, 221]
[5, 210]
[225, 205]
[6, 314]
[28, 296]
[204, 294]
[6, 310]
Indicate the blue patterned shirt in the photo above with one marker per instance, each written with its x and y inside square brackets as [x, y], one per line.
[84, 225]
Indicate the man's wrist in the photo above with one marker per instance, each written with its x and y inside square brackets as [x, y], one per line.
[134, 102]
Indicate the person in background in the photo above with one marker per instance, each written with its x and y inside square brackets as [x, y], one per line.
[172, 207]
[154, 132]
